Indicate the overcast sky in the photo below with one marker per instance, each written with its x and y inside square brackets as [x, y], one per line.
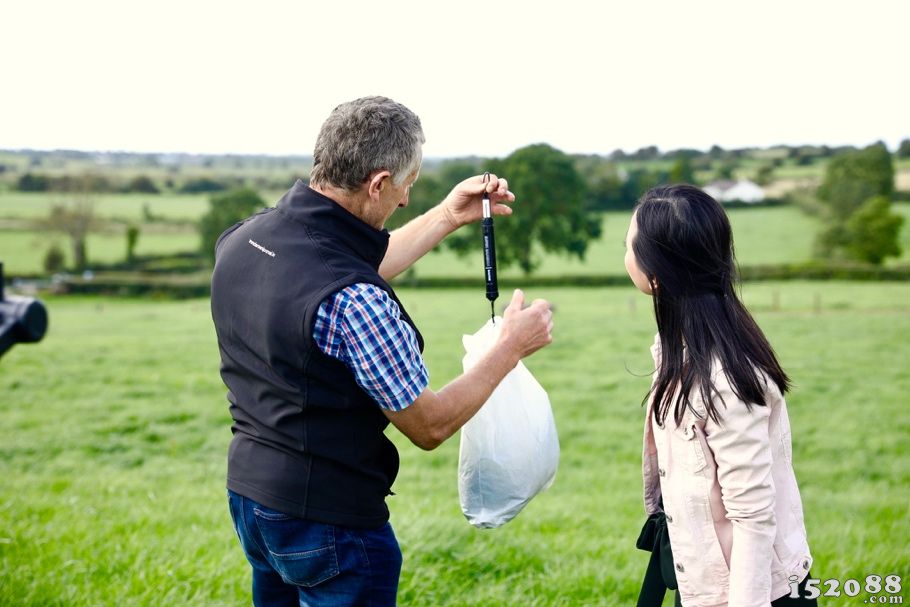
[485, 77]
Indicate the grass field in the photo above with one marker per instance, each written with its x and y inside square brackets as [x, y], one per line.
[23, 251]
[115, 429]
[128, 207]
[22, 248]
[763, 236]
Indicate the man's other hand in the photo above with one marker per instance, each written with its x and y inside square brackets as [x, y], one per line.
[526, 330]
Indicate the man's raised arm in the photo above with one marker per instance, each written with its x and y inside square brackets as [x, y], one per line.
[462, 206]
[435, 416]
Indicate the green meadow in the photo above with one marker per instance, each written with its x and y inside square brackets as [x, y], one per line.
[769, 235]
[22, 251]
[115, 430]
[124, 207]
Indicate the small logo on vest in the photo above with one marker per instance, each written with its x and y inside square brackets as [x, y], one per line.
[262, 248]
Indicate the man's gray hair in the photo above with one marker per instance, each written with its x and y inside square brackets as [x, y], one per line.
[366, 135]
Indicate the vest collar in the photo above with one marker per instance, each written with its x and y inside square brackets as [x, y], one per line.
[323, 215]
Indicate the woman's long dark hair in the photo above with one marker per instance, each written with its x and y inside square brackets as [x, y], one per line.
[684, 246]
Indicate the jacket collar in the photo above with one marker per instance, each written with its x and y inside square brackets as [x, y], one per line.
[655, 349]
[324, 216]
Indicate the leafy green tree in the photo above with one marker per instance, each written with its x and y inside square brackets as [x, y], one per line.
[681, 171]
[856, 193]
[33, 182]
[640, 181]
[607, 192]
[903, 150]
[224, 211]
[54, 259]
[647, 153]
[84, 183]
[804, 158]
[852, 177]
[716, 151]
[725, 170]
[765, 174]
[144, 184]
[605, 185]
[832, 240]
[76, 220]
[872, 232]
[550, 212]
[132, 238]
[202, 184]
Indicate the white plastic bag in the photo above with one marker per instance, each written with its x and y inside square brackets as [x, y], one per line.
[509, 449]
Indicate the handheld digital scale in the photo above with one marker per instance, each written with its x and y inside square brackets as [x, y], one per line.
[489, 250]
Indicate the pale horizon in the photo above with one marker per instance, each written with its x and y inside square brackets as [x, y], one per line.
[485, 78]
[661, 150]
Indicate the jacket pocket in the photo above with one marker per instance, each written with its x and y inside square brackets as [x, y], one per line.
[696, 455]
[302, 552]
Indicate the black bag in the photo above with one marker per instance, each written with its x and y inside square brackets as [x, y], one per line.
[660, 575]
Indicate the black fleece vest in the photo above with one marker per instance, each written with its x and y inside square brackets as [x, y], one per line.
[308, 441]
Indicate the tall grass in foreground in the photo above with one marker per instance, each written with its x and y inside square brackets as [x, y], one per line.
[115, 428]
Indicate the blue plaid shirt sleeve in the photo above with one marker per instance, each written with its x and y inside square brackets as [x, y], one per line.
[361, 326]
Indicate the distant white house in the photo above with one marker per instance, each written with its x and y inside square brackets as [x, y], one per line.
[742, 190]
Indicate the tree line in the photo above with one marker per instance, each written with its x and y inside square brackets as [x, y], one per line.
[856, 196]
[559, 206]
[612, 179]
[561, 196]
[141, 184]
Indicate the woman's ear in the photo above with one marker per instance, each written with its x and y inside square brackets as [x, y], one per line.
[377, 181]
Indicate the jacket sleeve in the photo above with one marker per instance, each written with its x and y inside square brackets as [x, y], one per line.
[741, 447]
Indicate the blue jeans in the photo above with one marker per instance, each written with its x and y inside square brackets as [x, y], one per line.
[299, 562]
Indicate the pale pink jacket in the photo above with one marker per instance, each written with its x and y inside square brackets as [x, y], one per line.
[733, 509]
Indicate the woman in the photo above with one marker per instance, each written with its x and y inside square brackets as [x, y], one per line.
[718, 474]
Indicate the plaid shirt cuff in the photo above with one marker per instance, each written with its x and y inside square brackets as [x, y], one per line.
[361, 326]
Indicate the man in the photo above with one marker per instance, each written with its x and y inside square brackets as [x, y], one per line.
[319, 356]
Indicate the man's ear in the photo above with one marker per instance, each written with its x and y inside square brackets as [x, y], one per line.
[377, 181]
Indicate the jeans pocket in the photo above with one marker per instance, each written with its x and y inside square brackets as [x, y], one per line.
[302, 552]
